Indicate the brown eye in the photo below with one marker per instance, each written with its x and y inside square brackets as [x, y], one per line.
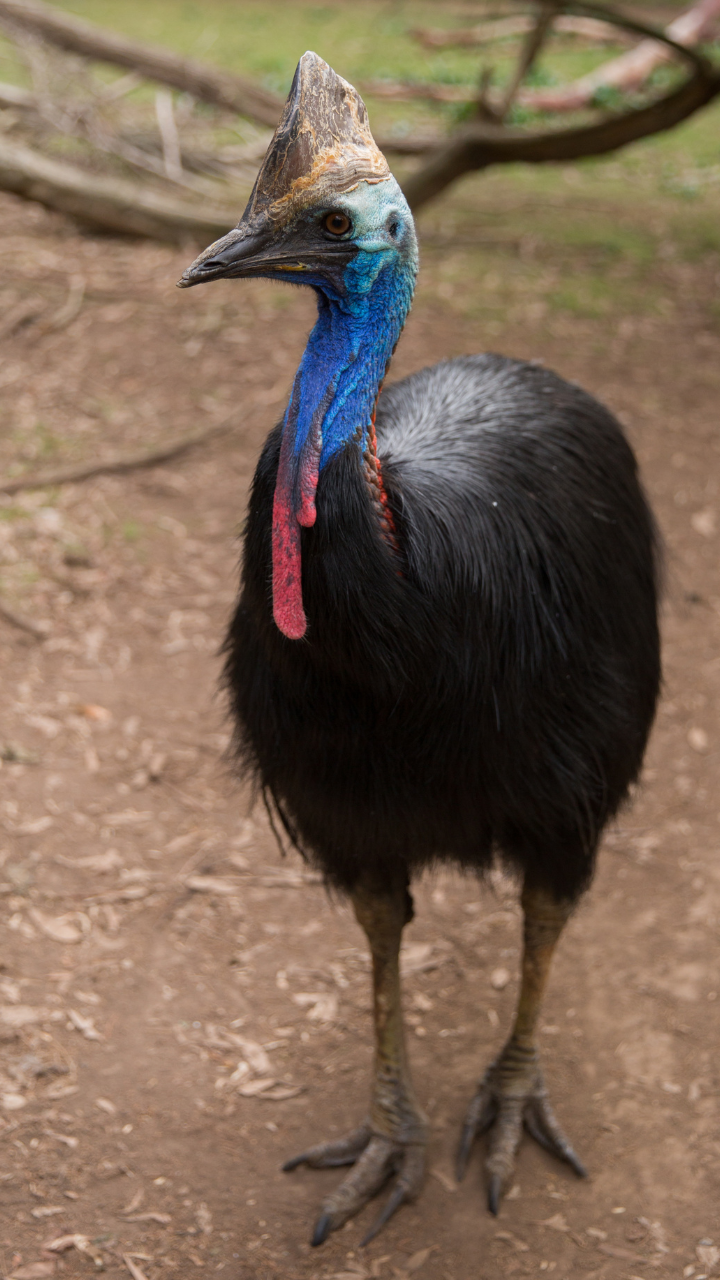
[336, 223]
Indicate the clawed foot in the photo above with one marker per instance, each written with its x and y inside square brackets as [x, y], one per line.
[511, 1096]
[375, 1160]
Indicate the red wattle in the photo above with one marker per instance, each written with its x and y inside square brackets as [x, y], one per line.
[288, 609]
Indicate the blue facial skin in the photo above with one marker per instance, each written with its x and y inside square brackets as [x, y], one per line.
[351, 344]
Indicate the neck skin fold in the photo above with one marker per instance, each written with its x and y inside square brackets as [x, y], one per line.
[332, 403]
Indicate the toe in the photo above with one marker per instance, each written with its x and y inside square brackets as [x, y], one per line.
[504, 1142]
[406, 1189]
[329, 1155]
[541, 1124]
[480, 1115]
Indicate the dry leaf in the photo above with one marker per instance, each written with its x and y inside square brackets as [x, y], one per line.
[86, 1026]
[12, 1101]
[520, 1245]
[151, 1216]
[34, 1271]
[281, 1092]
[135, 1202]
[106, 1105]
[106, 861]
[204, 1218]
[92, 711]
[626, 1255]
[323, 1004]
[67, 928]
[65, 1138]
[708, 1255]
[21, 1015]
[254, 1055]
[211, 884]
[253, 1087]
[34, 827]
[557, 1222]
[444, 1179]
[419, 1259]
[127, 818]
[48, 1210]
[79, 1242]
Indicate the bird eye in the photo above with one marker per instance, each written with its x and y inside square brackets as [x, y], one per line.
[394, 229]
[336, 223]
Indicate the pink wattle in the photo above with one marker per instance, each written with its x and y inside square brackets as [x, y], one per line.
[288, 609]
[293, 506]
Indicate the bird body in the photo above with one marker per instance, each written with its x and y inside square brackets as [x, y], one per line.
[487, 687]
[445, 646]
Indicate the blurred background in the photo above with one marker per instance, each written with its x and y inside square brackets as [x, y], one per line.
[179, 1006]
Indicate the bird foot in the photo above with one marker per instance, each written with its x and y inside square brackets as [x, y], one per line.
[375, 1159]
[512, 1096]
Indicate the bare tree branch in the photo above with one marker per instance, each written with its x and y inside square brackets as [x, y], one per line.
[631, 69]
[534, 42]
[506, 28]
[109, 203]
[208, 84]
[480, 146]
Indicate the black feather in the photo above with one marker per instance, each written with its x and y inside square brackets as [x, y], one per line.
[489, 690]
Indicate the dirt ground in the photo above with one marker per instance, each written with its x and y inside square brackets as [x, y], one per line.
[180, 1007]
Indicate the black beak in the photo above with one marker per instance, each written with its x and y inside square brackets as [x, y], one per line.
[239, 253]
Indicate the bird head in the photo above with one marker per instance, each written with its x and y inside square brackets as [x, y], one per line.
[325, 211]
[324, 199]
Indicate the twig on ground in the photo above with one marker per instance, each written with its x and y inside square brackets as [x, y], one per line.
[22, 624]
[114, 466]
[134, 1270]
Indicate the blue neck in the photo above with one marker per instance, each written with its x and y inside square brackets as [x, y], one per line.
[347, 354]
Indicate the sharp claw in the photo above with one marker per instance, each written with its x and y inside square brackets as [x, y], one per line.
[463, 1155]
[483, 1110]
[289, 1165]
[323, 1227]
[542, 1126]
[393, 1203]
[494, 1194]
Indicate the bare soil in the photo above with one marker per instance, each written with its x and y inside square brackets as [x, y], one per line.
[180, 1007]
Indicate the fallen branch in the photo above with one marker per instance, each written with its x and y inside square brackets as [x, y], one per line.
[479, 146]
[631, 69]
[22, 624]
[114, 466]
[110, 203]
[506, 28]
[207, 84]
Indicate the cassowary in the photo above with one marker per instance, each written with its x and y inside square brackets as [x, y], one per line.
[446, 644]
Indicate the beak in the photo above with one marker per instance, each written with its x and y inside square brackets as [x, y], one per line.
[240, 253]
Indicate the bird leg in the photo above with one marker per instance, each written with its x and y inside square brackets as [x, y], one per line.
[392, 1140]
[512, 1093]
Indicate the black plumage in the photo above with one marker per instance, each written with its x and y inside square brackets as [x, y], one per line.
[489, 690]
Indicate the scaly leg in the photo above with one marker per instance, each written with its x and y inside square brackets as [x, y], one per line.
[512, 1092]
[392, 1140]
